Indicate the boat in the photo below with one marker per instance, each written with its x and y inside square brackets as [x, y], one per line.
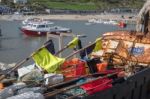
[42, 28]
[88, 23]
[30, 20]
[122, 24]
[121, 71]
[125, 59]
[125, 50]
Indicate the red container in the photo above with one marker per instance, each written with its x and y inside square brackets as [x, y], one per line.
[97, 85]
[101, 67]
[74, 68]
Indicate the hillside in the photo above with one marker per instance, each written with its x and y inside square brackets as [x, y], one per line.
[85, 4]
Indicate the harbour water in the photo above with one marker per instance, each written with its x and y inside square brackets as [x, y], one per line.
[14, 46]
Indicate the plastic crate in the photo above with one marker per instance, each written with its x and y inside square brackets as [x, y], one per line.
[73, 68]
[97, 85]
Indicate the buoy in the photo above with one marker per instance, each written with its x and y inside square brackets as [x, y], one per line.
[1, 86]
[122, 24]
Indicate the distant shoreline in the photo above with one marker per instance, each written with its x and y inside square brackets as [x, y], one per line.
[128, 17]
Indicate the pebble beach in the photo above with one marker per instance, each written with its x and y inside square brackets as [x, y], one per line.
[128, 17]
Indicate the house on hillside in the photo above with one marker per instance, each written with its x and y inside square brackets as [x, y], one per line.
[20, 1]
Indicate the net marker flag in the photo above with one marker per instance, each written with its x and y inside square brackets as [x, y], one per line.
[46, 60]
[73, 43]
[93, 48]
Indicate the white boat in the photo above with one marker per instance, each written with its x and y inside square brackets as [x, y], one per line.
[108, 22]
[42, 28]
[89, 23]
[30, 20]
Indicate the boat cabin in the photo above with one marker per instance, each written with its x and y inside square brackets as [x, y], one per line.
[38, 25]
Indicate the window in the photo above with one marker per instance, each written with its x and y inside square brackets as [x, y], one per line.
[41, 26]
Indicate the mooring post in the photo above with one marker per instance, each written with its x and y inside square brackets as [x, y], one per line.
[60, 44]
[60, 38]
[0, 31]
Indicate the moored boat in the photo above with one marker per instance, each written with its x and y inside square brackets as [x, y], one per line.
[121, 71]
[122, 24]
[30, 20]
[42, 28]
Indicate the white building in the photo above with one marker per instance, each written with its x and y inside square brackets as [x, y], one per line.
[20, 1]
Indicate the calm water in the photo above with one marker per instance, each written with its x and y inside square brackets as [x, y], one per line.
[14, 46]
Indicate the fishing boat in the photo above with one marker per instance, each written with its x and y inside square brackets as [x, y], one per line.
[30, 20]
[42, 28]
[125, 50]
[121, 24]
[117, 68]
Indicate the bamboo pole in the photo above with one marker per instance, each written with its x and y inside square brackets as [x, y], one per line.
[110, 82]
[80, 77]
[67, 46]
[59, 84]
[50, 94]
[76, 52]
[21, 62]
[73, 97]
[26, 59]
[61, 50]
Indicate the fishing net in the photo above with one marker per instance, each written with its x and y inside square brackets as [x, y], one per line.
[28, 95]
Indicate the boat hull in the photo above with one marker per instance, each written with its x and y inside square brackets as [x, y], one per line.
[33, 33]
[42, 33]
[135, 87]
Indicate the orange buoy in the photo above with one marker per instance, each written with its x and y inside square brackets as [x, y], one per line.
[101, 67]
[1, 86]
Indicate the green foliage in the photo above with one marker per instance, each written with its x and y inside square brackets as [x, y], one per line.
[72, 6]
[82, 4]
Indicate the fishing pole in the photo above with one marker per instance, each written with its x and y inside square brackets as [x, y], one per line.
[78, 78]
[73, 97]
[115, 81]
[50, 94]
[68, 45]
[45, 88]
[22, 62]
[26, 59]
[69, 56]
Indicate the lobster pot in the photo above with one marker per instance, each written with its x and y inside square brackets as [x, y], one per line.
[73, 68]
[97, 85]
